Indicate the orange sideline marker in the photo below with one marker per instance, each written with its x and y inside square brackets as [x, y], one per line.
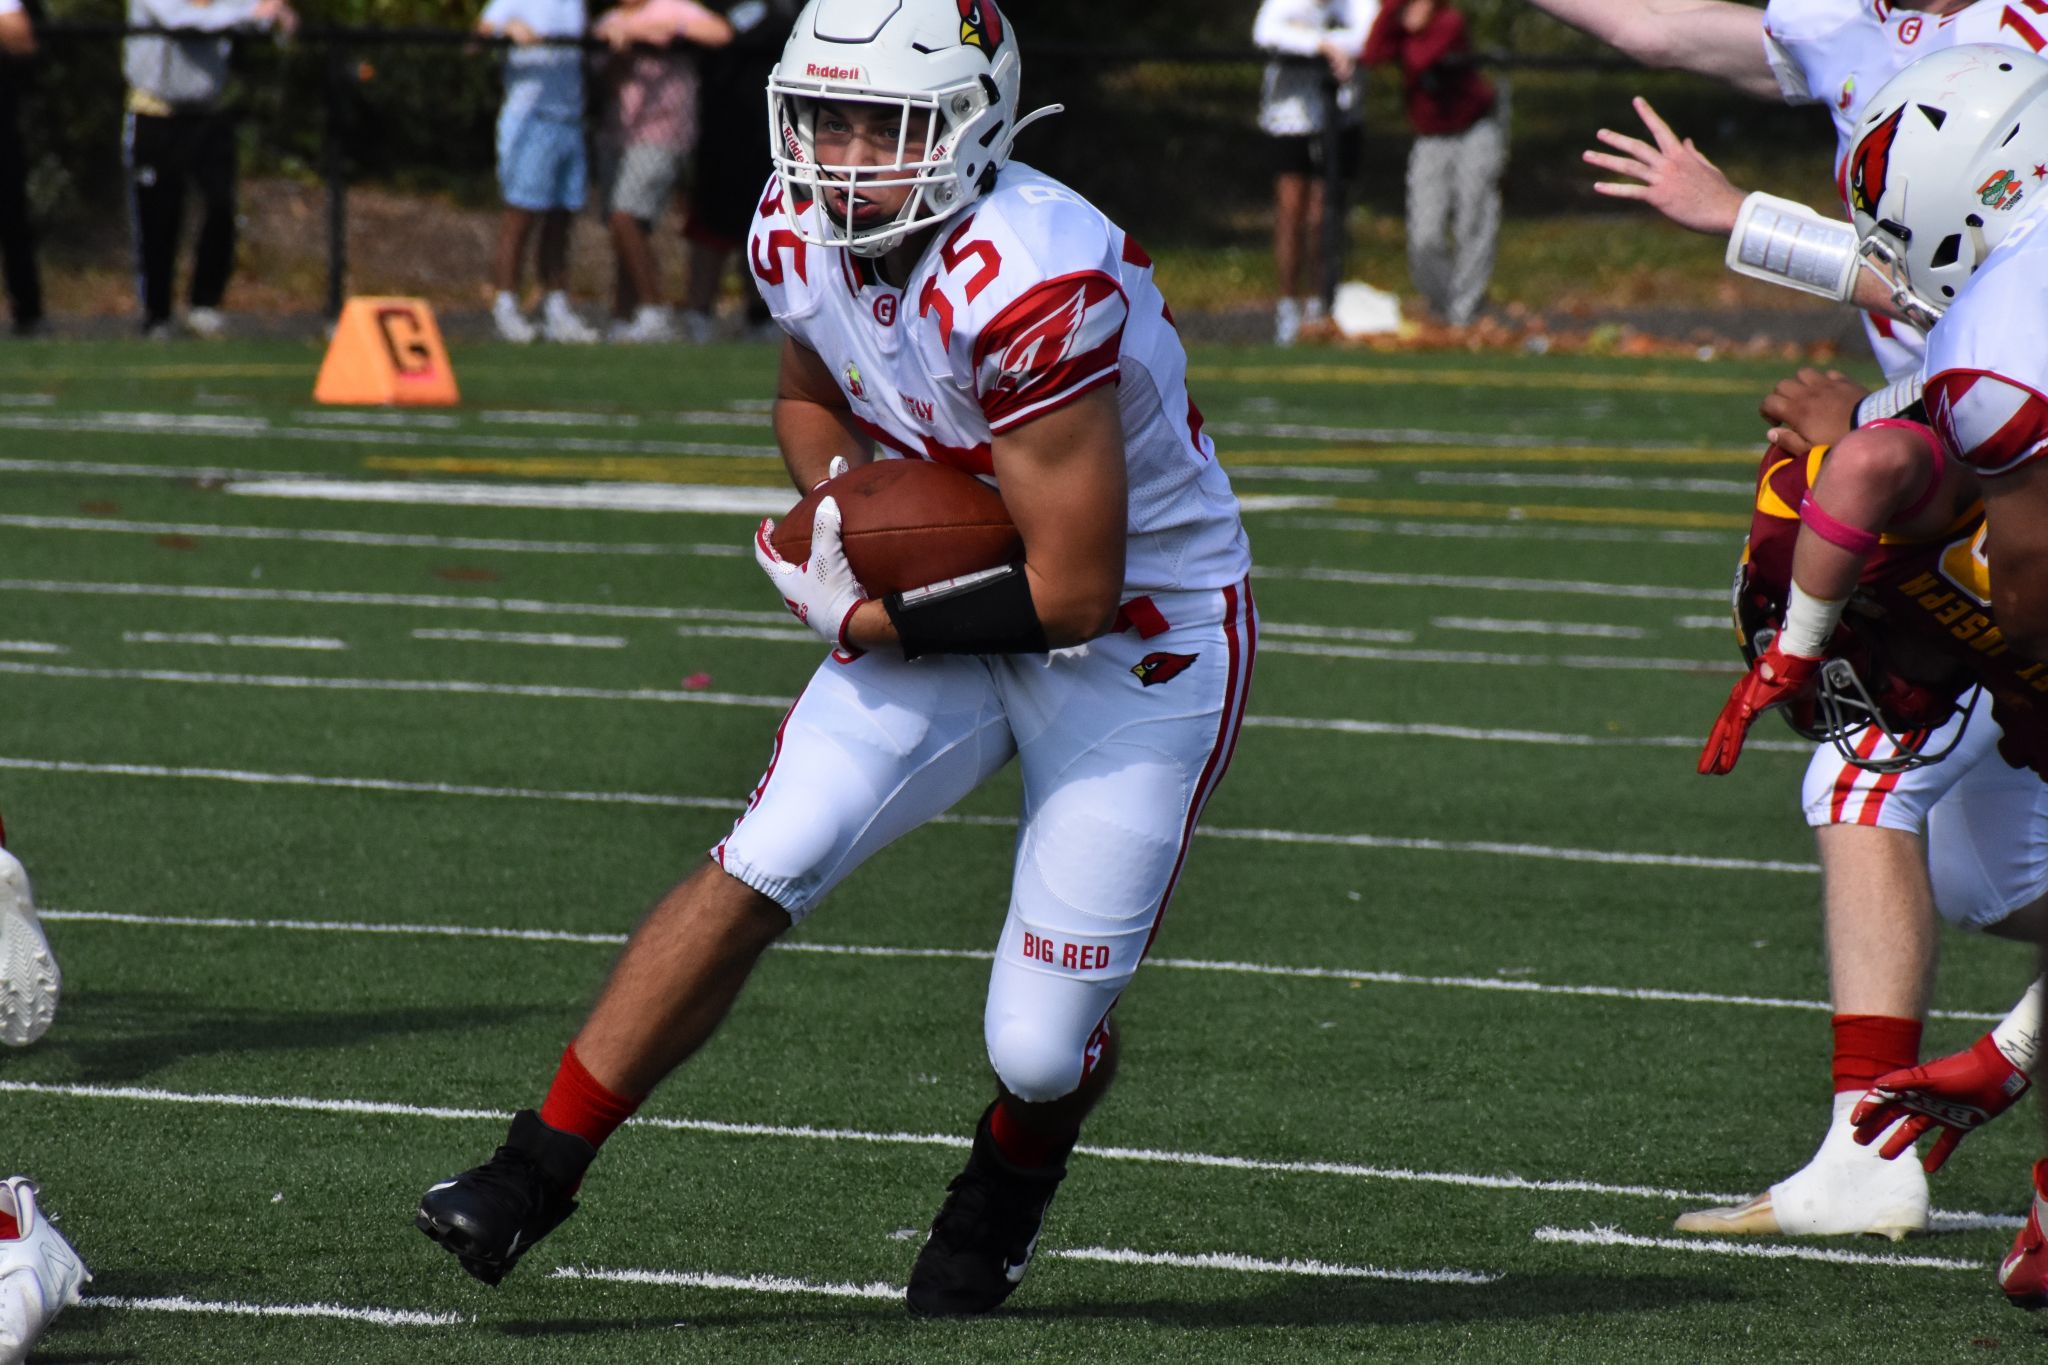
[386, 351]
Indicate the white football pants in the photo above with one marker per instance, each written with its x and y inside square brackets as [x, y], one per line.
[1984, 821]
[1120, 742]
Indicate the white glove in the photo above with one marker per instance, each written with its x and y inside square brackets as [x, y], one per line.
[821, 592]
[838, 465]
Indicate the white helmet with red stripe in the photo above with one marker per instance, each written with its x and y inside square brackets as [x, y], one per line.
[950, 66]
[1945, 161]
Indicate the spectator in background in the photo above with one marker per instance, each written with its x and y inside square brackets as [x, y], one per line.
[1292, 104]
[17, 233]
[180, 130]
[732, 165]
[541, 165]
[1460, 150]
[650, 129]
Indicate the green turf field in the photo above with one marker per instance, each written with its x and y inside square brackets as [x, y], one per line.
[338, 802]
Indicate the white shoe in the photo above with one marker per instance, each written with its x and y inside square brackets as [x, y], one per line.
[29, 979]
[1286, 321]
[699, 328]
[559, 323]
[40, 1275]
[1312, 311]
[511, 324]
[209, 324]
[1846, 1189]
[651, 324]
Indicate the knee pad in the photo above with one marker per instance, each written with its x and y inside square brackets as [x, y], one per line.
[1035, 1063]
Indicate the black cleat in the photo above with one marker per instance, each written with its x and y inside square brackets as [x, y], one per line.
[491, 1216]
[982, 1240]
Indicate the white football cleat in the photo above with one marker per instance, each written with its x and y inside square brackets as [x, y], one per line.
[208, 324]
[560, 324]
[29, 979]
[1846, 1190]
[40, 1275]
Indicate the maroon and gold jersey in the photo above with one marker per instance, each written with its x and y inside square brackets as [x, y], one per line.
[1921, 615]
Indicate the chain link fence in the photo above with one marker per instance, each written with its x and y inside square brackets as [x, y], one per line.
[367, 165]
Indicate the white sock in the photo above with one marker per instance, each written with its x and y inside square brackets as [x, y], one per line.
[508, 301]
[556, 301]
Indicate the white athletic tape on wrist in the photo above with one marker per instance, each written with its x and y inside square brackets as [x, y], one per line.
[1788, 243]
[2018, 1035]
[1889, 401]
[1809, 623]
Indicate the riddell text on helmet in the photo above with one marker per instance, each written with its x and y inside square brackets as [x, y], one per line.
[833, 73]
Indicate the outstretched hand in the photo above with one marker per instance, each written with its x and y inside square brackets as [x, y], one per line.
[1669, 174]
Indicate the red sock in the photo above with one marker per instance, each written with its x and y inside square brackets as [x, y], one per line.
[1868, 1045]
[9, 1229]
[579, 1103]
[1022, 1146]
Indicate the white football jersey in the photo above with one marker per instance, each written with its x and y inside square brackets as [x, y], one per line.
[1987, 359]
[1027, 300]
[1841, 52]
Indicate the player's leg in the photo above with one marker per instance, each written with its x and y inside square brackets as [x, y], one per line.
[1290, 210]
[1878, 910]
[872, 749]
[156, 207]
[1430, 172]
[1476, 217]
[213, 174]
[1120, 744]
[567, 176]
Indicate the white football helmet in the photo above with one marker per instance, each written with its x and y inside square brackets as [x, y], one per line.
[1949, 155]
[950, 66]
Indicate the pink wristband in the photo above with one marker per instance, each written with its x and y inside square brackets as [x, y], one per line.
[1854, 539]
[1934, 451]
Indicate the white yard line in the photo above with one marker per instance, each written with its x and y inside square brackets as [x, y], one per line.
[511, 606]
[31, 647]
[770, 501]
[955, 1141]
[209, 473]
[374, 539]
[428, 421]
[1609, 662]
[752, 1284]
[498, 933]
[1255, 1265]
[202, 637]
[1721, 623]
[1765, 1251]
[1459, 478]
[1411, 436]
[1270, 630]
[1461, 530]
[1555, 738]
[1343, 1170]
[178, 1303]
[517, 637]
[1489, 583]
[1306, 838]
[1495, 625]
[260, 428]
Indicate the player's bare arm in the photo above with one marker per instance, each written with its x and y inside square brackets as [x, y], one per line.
[2016, 541]
[812, 420]
[1707, 37]
[17, 36]
[1886, 477]
[1063, 479]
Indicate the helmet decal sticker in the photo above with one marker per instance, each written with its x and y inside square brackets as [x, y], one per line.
[981, 26]
[1871, 162]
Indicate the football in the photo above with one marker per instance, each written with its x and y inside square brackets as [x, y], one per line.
[906, 524]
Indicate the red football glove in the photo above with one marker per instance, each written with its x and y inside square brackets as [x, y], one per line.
[1956, 1094]
[1773, 680]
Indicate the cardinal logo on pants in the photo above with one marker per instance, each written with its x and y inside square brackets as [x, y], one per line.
[1154, 669]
